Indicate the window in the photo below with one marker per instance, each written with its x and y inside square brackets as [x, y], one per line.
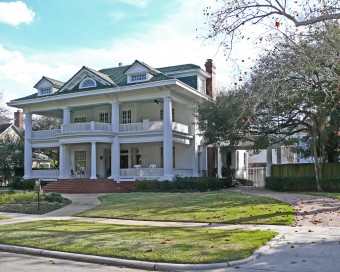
[104, 117]
[161, 114]
[80, 160]
[126, 116]
[80, 119]
[87, 83]
[45, 91]
[138, 77]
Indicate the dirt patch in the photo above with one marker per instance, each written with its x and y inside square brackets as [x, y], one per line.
[311, 210]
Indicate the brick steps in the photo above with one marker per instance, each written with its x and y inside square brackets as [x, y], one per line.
[89, 186]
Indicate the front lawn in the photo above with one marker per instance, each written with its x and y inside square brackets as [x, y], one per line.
[218, 206]
[3, 217]
[324, 194]
[27, 202]
[158, 244]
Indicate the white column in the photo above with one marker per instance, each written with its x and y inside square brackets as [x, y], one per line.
[278, 154]
[115, 159]
[28, 147]
[115, 117]
[66, 116]
[219, 163]
[167, 138]
[61, 161]
[93, 161]
[269, 162]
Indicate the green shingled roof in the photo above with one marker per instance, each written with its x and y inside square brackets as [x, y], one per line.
[116, 76]
[56, 83]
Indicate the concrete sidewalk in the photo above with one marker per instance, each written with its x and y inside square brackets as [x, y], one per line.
[305, 248]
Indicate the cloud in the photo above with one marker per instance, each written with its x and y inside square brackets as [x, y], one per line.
[16, 13]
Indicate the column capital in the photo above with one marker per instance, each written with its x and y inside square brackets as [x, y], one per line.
[65, 108]
[115, 103]
[167, 98]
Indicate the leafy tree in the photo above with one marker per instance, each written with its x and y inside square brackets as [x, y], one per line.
[292, 89]
[12, 155]
[46, 123]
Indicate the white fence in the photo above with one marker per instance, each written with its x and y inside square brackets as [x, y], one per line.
[46, 174]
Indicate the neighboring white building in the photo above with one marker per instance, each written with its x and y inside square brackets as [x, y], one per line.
[121, 123]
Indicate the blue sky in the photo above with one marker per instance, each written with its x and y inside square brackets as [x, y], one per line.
[55, 38]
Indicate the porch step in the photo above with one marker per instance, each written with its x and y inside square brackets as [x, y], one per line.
[88, 186]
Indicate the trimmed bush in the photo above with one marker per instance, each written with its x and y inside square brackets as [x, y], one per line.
[180, 184]
[331, 184]
[246, 182]
[54, 197]
[18, 183]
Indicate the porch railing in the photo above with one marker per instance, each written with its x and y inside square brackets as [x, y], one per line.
[152, 125]
[45, 133]
[45, 174]
[183, 172]
[86, 127]
[142, 172]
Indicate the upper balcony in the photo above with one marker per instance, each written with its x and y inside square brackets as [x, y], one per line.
[97, 127]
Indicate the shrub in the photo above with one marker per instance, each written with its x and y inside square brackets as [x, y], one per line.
[19, 183]
[331, 184]
[246, 182]
[180, 184]
[54, 197]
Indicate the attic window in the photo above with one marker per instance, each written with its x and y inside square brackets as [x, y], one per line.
[87, 83]
[45, 91]
[138, 77]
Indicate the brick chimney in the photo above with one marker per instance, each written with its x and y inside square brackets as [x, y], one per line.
[19, 119]
[211, 84]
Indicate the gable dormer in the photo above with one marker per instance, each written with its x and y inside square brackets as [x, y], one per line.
[139, 72]
[47, 86]
[87, 78]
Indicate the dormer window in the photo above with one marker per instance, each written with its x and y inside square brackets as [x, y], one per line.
[138, 77]
[87, 83]
[45, 91]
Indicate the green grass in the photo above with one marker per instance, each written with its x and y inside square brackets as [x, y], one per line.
[325, 194]
[218, 206]
[3, 217]
[179, 245]
[27, 202]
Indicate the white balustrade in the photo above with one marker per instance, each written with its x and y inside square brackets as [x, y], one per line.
[183, 172]
[85, 127]
[45, 174]
[45, 133]
[180, 127]
[142, 172]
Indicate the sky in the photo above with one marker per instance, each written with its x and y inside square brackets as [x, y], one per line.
[55, 38]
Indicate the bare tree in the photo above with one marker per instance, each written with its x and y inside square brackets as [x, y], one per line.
[3, 111]
[232, 19]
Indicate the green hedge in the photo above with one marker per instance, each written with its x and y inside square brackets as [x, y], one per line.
[302, 184]
[180, 184]
[18, 183]
[246, 182]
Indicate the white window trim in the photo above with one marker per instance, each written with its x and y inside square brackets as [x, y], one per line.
[130, 79]
[109, 116]
[121, 115]
[45, 91]
[81, 85]
[79, 116]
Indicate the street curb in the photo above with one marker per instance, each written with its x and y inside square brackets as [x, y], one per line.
[133, 263]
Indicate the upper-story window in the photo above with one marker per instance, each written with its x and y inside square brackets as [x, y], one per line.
[87, 83]
[80, 119]
[126, 116]
[45, 91]
[104, 117]
[138, 77]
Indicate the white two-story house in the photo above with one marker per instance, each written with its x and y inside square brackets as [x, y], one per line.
[131, 121]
